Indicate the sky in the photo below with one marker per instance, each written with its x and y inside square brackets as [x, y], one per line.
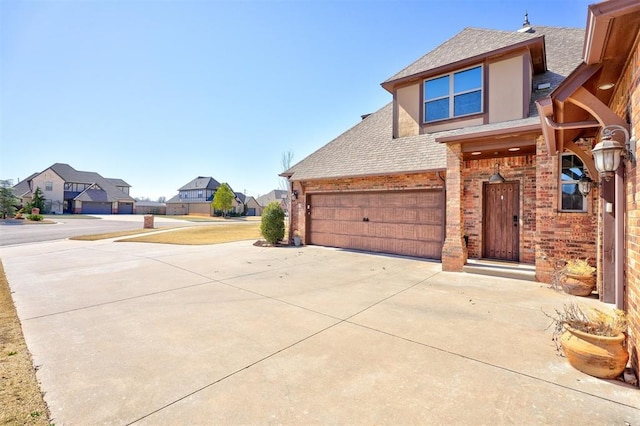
[160, 92]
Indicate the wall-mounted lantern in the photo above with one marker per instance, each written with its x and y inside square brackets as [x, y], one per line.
[294, 195]
[496, 177]
[608, 152]
[584, 185]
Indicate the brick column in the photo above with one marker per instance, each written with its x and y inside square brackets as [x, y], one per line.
[454, 251]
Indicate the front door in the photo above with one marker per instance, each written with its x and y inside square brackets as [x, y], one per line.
[501, 206]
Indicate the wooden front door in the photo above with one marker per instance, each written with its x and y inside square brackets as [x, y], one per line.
[501, 208]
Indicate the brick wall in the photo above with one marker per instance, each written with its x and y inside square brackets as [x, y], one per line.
[559, 235]
[474, 174]
[626, 103]
[369, 183]
[454, 251]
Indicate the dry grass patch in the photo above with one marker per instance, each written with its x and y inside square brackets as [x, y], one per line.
[95, 237]
[21, 401]
[198, 235]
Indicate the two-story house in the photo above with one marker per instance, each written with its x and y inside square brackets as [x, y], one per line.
[67, 190]
[455, 167]
[486, 152]
[194, 197]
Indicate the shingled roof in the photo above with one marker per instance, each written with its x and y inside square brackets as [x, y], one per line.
[112, 193]
[468, 43]
[368, 148]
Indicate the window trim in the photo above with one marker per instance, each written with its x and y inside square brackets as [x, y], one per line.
[585, 199]
[452, 94]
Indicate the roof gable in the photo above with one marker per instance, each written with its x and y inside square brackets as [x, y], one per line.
[467, 44]
[201, 182]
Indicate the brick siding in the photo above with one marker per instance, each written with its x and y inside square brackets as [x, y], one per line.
[560, 235]
[626, 103]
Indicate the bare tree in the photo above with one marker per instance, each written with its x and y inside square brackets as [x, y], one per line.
[285, 163]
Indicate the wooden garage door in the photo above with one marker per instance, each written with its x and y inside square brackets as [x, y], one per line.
[409, 223]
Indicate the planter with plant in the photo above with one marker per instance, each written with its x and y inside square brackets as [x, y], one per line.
[592, 339]
[297, 241]
[579, 277]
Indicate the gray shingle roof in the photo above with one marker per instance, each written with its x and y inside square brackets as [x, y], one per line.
[468, 43]
[201, 182]
[275, 195]
[369, 149]
[69, 174]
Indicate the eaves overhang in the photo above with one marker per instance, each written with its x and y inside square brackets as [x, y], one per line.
[536, 46]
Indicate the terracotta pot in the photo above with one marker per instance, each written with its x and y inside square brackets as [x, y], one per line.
[598, 356]
[577, 287]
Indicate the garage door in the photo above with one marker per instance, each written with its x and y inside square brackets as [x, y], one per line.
[96, 208]
[125, 208]
[409, 223]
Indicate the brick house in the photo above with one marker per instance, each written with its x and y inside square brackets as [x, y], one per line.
[481, 153]
[413, 177]
[67, 190]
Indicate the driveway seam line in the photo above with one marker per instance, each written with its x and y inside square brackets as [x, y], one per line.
[406, 339]
[339, 321]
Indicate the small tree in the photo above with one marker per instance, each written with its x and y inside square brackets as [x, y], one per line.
[272, 225]
[8, 201]
[37, 201]
[223, 198]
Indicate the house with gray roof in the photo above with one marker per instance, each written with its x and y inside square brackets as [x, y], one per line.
[67, 190]
[455, 167]
[194, 197]
[278, 195]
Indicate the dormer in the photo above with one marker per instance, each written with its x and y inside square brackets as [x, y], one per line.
[477, 77]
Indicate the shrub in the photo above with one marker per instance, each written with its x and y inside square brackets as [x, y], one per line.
[35, 217]
[272, 225]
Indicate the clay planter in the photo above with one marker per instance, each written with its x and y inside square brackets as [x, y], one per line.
[578, 285]
[598, 356]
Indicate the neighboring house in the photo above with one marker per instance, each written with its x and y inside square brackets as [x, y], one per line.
[481, 153]
[278, 195]
[67, 190]
[151, 207]
[22, 190]
[253, 207]
[194, 198]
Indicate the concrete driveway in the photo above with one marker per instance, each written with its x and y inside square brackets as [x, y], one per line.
[134, 333]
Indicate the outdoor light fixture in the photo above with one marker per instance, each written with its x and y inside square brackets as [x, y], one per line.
[607, 152]
[294, 195]
[496, 177]
[584, 185]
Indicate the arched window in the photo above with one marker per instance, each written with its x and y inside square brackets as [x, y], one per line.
[572, 170]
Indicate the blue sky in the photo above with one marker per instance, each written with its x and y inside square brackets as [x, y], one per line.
[159, 92]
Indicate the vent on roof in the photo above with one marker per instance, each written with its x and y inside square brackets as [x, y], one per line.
[365, 116]
[526, 26]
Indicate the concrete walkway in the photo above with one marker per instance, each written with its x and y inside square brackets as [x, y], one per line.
[135, 333]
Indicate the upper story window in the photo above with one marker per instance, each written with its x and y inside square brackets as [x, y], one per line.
[453, 95]
[200, 193]
[48, 186]
[572, 171]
